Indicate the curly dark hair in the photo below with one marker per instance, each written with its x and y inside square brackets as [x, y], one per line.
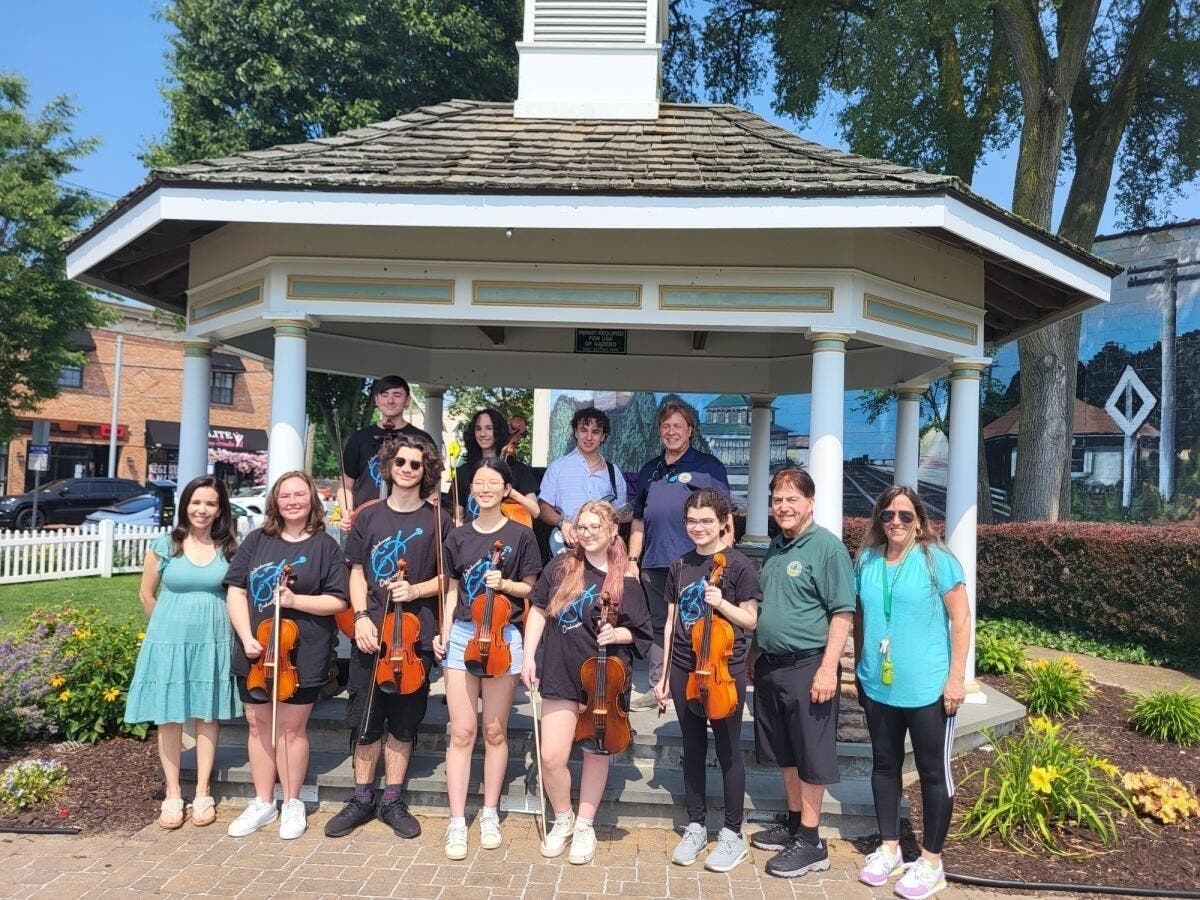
[431, 460]
[591, 414]
[499, 428]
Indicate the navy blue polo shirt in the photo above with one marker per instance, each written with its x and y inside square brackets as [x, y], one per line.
[662, 490]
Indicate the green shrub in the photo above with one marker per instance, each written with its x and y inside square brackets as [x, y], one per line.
[1168, 716]
[997, 655]
[1055, 688]
[31, 781]
[1067, 639]
[1045, 790]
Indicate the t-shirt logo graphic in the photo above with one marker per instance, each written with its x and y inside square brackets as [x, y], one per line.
[387, 552]
[264, 578]
[795, 567]
[572, 615]
[691, 602]
[374, 471]
[473, 577]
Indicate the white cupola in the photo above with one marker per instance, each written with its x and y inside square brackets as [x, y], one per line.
[591, 59]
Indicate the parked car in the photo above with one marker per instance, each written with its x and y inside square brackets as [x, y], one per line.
[253, 500]
[144, 509]
[66, 501]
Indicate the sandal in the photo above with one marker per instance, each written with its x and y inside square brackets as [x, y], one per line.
[203, 811]
[172, 813]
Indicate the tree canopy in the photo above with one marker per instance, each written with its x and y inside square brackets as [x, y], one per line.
[39, 307]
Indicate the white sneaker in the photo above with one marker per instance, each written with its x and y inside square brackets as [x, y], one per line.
[558, 836]
[583, 845]
[489, 829]
[294, 819]
[253, 817]
[456, 841]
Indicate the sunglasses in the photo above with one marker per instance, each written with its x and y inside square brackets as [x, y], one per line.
[414, 464]
[905, 516]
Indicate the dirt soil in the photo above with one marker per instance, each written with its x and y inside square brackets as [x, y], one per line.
[1166, 857]
[112, 786]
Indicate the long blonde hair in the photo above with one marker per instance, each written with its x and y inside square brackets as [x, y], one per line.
[570, 585]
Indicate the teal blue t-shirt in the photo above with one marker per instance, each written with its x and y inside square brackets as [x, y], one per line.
[920, 632]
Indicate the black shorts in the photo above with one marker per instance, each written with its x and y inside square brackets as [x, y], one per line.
[789, 729]
[303, 696]
[403, 713]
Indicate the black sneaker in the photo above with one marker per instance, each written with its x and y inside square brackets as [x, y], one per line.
[797, 858]
[396, 814]
[777, 837]
[356, 812]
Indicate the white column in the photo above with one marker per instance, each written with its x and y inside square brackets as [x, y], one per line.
[193, 419]
[435, 402]
[825, 455]
[285, 450]
[541, 426]
[908, 435]
[760, 469]
[962, 483]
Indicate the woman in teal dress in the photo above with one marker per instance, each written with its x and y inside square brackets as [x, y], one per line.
[183, 667]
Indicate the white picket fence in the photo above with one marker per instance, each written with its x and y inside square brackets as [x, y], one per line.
[73, 553]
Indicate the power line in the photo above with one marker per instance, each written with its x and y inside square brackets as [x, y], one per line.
[84, 187]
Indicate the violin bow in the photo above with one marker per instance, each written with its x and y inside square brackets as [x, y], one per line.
[283, 574]
[437, 549]
[454, 451]
[348, 493]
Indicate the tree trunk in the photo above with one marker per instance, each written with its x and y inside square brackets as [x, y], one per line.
[985, 514]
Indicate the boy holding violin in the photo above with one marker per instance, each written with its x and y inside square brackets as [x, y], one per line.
[393, 551]
[712, 599]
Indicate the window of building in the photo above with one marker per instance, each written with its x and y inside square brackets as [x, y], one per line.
[1078, 461]
[71, 377]
[222, 388]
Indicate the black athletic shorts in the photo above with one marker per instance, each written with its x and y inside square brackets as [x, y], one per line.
[789, 729]
[302, 697]
[403, 713]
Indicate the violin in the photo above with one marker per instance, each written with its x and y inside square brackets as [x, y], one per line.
[604, 726]
[487, 654]
[511, 508]
[398, 669]
[273, 675]
[711, 691]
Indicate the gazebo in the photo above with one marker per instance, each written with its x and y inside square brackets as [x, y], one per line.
[589, 236]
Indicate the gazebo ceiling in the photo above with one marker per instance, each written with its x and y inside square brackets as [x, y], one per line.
[462, 149]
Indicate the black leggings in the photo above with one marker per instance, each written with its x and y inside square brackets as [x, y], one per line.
[727, 734]
[932, 733]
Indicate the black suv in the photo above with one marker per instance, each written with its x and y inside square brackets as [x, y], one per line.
[66, 501]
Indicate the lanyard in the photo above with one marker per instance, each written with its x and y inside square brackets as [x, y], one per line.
[889, 586]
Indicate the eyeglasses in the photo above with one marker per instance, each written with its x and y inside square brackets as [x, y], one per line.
[589, 529]
[699, 523]
[487, 485]
[414, 464]
[905, 516]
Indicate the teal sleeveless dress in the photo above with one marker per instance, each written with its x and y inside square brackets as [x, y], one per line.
[182, 668]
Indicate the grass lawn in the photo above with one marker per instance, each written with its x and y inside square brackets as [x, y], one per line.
[116, 598]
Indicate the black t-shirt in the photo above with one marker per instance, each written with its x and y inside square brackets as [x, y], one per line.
[686, 580]
[379, 538]
[570, 637]
[469, 556]
[524, 482]
[318, 567]
[362, 464]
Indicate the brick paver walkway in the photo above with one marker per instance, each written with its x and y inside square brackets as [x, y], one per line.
[632, 862]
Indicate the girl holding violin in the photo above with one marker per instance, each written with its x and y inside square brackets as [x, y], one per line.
[565, 602]
[395, 578]
[183, 665]
[492, 564]
[712, 602]
[291, 560]
[487, 436]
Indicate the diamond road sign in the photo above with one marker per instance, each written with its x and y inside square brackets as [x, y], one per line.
[1128, 420]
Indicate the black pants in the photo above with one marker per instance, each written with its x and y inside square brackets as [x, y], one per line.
[932, 733]
[654, 583]
[727, 734]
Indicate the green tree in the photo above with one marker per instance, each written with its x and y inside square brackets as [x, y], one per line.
[246, 75]
[512, 402]
[339, 405]
[39, 307]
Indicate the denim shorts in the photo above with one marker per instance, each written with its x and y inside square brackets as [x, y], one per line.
[461, 632]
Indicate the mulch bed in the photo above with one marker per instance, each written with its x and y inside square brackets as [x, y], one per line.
[112, 786]
[1166, 857]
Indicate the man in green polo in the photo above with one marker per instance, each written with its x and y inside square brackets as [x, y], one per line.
[803, 621]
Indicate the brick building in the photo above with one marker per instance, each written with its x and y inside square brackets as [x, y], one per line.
[149, 411]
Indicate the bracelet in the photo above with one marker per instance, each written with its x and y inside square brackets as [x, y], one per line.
[361, 614]
[632, 558]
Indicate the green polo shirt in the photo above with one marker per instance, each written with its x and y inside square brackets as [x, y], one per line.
[805, 581]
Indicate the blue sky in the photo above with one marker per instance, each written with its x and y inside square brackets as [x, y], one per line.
[109, 57]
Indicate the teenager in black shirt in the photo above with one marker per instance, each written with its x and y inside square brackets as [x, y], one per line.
[485, 436]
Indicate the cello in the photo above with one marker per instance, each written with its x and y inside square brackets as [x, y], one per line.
[604, 726]
[711, 690]
[274, 673]
[487, 654]
[398, 668]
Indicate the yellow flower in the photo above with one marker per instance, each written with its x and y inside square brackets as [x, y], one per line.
[112, 694]
[65, 696]
[141, 635]
[83, 634]
[1040, 723]
[1042, 777]
[1106, 767]
[57, 681]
